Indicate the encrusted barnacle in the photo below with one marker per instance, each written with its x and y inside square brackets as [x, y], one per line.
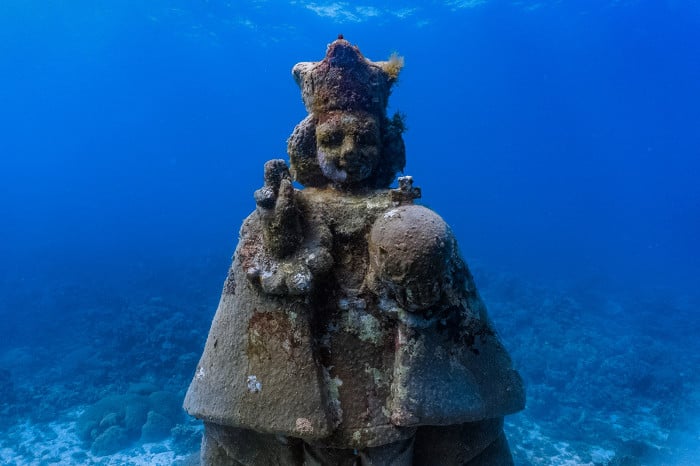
[253, 384]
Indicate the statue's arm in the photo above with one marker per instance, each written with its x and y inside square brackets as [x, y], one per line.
[291, 249]
[278, 211]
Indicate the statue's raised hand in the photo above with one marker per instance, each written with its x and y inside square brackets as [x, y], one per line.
[278, 210]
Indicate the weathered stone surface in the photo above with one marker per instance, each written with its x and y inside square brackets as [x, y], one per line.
[261, 335]
[349, 326]
[344, 80]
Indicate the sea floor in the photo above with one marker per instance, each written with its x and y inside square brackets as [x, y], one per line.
[611, 375]
[57, 443]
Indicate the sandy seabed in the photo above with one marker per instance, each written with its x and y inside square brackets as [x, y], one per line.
[57, 443]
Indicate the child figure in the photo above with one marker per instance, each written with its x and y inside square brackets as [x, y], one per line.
[350, 331]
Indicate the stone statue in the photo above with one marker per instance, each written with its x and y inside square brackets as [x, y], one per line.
[349, 330]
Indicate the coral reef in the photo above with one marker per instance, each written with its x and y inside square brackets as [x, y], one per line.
[116, 421]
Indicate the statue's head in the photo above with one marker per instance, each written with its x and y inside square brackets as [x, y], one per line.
[347, 140]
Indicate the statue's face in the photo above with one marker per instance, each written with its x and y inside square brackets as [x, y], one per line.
[348, 146]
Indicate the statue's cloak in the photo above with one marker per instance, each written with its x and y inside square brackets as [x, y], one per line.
[339, 363]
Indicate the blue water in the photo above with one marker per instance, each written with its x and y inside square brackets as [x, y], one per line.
[561, 141]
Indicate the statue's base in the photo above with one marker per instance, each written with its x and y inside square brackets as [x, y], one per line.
[471, 444]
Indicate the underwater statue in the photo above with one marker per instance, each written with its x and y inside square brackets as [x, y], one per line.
[350, 331]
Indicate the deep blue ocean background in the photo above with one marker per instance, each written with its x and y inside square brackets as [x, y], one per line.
[560, 140]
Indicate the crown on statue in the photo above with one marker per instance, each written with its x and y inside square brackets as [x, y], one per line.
[345, 80]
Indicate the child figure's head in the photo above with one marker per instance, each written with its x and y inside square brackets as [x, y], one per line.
[346, 141]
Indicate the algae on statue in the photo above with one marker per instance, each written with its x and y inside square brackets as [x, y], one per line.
[349, 330]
